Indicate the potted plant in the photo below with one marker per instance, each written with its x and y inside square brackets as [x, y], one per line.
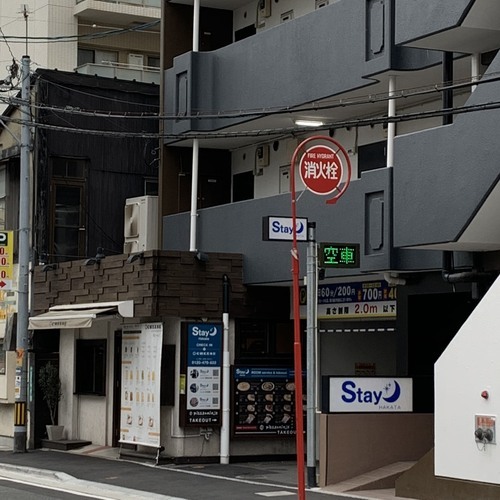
[50, 385]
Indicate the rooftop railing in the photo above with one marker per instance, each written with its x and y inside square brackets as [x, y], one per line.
[144, 74]
[141, 3]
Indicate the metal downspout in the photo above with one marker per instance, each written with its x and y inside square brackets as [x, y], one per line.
[194, 170]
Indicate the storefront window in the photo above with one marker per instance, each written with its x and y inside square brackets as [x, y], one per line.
[263, 342]
[91, 367]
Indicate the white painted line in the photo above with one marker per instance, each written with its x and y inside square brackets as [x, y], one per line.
[216, 476]
[275, 494]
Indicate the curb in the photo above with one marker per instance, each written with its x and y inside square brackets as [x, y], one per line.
[64, 482]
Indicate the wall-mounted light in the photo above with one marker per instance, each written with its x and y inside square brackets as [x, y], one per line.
[308, 123]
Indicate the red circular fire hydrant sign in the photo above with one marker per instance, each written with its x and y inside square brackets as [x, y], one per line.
[321, 169]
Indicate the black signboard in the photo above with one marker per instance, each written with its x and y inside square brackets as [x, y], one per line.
[264, 401]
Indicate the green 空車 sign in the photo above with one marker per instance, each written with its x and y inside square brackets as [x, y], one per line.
[338, 255]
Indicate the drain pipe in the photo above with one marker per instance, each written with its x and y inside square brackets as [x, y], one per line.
[226, 395]
[391, 126]
[450, 276]
[194, 167]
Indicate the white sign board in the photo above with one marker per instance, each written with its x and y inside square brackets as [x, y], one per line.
[140, 399]
[281, 228]
[370, 394]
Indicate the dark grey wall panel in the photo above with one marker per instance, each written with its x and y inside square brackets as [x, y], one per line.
[335, 49]
[417, 18]
[238, 228]
[453, 169]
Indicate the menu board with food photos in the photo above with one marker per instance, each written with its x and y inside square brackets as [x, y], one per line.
[140, 394]
[264, 401]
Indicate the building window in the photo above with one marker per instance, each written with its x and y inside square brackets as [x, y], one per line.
[90, 377]
[90, 56]
[243, 188]
[67, 209]
[154, 61]
[372, 156]
[263, 342]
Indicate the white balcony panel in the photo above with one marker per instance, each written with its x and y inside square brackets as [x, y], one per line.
[121, 72]
[119, 13]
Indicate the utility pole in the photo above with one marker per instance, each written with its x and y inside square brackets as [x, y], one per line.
[20, 411]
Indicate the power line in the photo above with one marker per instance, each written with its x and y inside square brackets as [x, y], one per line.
[359, 122]
[7, 43]
[330, 104]
[400, 94]
[72, 38]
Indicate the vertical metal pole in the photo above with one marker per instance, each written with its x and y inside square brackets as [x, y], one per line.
[194, 197]
[391, 126]
[311, 354]
[475, 68]
[20, 412]
[224, 432]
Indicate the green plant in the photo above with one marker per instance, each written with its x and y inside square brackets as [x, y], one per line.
[50, 385]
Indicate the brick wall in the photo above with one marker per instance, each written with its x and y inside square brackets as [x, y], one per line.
[163, 283]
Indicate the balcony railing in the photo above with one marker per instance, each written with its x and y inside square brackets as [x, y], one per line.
[144, 74]
[142, 3]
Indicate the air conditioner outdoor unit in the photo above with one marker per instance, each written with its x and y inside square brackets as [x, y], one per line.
[136, 59]
[141, 224]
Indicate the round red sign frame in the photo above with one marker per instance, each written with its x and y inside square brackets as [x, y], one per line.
[324, 169]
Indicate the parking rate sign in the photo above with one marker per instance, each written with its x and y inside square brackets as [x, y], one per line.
[6, 259]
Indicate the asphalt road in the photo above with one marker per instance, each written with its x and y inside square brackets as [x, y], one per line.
[103, 478]
[22, 490]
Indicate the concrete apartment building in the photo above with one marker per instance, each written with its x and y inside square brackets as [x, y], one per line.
[69, 35]
[394, 83]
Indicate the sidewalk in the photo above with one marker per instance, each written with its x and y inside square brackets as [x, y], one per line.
[98, 471]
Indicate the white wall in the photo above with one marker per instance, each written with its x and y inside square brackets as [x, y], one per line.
[246, 15]
[86, 417]
[6, 425]
[468, 366]
[45, 18]
[281, 152]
